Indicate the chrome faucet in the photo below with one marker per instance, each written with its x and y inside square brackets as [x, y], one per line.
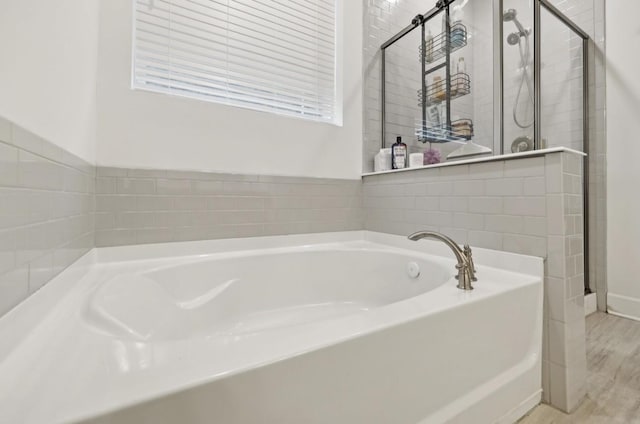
[466, 268]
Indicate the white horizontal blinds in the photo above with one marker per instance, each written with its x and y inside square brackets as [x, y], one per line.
[271, 55]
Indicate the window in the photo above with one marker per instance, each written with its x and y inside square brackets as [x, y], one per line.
[270, 55]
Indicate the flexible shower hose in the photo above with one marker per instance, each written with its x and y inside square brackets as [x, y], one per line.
[526, 79]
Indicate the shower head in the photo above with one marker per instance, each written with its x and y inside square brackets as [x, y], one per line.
[509, 15]
[513, 38]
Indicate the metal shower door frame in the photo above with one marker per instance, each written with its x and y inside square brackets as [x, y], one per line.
[586, 124]
[498, 99]
[442, 6]
[538, 5]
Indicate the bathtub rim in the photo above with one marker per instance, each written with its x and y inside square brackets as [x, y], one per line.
[16, 324]
[520, 263]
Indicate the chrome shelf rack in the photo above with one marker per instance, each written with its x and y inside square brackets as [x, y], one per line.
[436, 93]
[452, 86]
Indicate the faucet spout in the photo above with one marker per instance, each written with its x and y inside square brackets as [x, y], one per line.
[465, 266]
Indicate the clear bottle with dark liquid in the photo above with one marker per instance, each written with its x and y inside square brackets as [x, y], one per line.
[399, 154]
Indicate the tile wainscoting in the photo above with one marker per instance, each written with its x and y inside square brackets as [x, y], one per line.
[46, 212]
[531, 206]
[150, 206]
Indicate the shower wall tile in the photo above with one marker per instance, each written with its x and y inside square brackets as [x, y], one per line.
[383, 19]
[136, 206]
[530, 206]
[46, 212]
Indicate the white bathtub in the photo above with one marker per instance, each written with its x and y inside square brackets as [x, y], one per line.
[326, 328]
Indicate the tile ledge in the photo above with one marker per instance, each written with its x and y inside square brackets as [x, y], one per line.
[509, 156]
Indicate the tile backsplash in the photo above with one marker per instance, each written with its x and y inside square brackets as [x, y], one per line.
[497, 205]
[149, 206]
[46, 212]
[531, 206]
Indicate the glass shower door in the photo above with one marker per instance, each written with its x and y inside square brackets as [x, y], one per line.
[518, 76]
[562, 85]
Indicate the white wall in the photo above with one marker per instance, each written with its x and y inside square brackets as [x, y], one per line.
[149, 130]
[623, 153]
[48, 70]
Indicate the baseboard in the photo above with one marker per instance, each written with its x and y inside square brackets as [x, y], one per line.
[623, 306]
[631, 317]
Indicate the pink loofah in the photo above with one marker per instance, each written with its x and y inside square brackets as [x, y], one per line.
[431, 156]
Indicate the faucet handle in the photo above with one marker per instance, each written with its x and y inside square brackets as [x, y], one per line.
[472, 267]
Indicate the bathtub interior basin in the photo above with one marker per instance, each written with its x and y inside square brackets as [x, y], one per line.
[252, 293]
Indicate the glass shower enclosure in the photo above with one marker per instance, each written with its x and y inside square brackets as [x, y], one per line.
[436, 83]
[477, 78]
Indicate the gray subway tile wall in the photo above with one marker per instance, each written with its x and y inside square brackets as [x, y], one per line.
[531, 206]
[566, 321]
[149, 206]
[46, 212]
[492, 197]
